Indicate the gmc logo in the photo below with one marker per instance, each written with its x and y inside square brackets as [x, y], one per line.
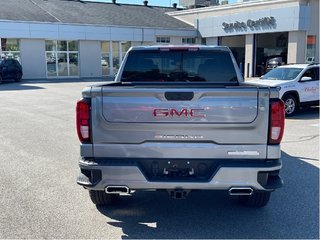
[184, 112]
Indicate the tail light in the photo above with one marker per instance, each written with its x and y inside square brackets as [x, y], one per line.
[83, 120]
[277, 117]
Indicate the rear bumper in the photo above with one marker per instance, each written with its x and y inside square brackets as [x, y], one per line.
[257, 174]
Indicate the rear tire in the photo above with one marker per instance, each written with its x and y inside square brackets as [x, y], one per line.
[102, 198]
[291, 104]
[257, 199]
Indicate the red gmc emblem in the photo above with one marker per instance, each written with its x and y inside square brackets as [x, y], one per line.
[184, 112]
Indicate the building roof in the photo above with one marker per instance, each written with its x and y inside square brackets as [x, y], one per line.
[95, 13]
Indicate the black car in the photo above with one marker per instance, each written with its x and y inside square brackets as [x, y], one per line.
[10, 69]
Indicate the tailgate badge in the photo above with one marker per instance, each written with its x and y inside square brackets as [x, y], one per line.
[179, 137]
[184, 112]
[243, 153]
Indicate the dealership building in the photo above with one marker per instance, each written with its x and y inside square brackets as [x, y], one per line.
[72, 38]
[259, 30]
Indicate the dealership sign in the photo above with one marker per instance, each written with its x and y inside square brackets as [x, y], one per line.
[260, 23]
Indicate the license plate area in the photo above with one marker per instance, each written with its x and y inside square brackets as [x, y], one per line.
[178, 170]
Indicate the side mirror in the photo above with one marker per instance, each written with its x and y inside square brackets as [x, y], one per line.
[303, 79]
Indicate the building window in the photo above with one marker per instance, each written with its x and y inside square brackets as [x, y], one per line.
[311, 49]
[188, 40]
[163, 39]
[62, 58]
[124, 48]
[10, 48]
[115, 57]
[112, 54]
[105, 58]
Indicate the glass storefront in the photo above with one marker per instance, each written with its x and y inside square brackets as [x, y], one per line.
[62, 64]
[105, 58]
[125, 47]
[73, 64]
[112, 54]
[115, 56]
[271, 51]
[62, 58]
[10, 48]
[237, 46]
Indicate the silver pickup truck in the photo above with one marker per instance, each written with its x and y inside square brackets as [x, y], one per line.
[180, 118]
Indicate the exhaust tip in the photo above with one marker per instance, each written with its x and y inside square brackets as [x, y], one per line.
[240, 191]
[117, 190]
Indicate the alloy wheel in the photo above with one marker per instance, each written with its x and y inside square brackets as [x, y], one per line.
[290, 106]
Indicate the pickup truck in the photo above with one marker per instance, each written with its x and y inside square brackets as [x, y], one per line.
[177, 119]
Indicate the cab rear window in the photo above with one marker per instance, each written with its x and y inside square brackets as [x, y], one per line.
[179, 66]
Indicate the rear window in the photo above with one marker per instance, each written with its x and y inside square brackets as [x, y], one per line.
[179, 66]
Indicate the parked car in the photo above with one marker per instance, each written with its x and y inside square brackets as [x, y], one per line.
[10, 69]
[274, 62]
[104, 62]
[298, 84]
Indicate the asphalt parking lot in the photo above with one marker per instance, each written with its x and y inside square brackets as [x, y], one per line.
[39, 197]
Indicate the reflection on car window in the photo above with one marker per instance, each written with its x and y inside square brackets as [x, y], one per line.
[282, 74]
[7, 63]
[312, 73]
[179, 66]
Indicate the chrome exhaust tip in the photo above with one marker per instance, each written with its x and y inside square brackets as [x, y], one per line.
[240, 191]
[117, 190]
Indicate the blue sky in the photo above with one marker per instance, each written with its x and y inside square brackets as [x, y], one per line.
[151, 2]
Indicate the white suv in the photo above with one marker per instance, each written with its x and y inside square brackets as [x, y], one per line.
[298, 83]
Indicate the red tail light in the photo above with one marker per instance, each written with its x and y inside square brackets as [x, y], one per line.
[83, 120]
[277, 117]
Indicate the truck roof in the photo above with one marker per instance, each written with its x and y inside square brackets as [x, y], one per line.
[177, 47]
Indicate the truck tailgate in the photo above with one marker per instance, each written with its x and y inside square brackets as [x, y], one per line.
[165, 105]
[199, 121]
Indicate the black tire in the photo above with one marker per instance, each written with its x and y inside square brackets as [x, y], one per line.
[0, 79]
[18, 77]
[102, 198]
[291, 104]
[257, 199]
